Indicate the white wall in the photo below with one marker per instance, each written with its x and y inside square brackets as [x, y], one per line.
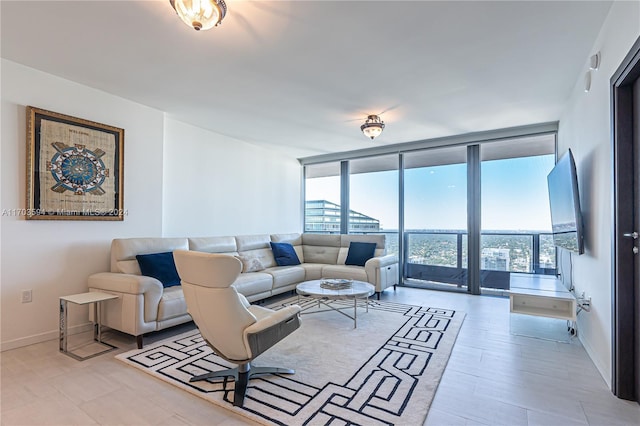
[215, 185]
[54, 258]
[585, 127]
[206, 184]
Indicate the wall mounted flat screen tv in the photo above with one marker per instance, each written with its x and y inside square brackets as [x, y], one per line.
[564, 200]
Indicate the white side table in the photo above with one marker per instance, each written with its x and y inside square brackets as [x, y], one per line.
[83, 299]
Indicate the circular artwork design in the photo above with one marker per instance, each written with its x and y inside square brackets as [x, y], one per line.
[78, 169]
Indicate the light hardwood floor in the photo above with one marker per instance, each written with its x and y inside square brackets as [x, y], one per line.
[493, 377]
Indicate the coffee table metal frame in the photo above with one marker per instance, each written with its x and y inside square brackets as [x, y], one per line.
[359, 291]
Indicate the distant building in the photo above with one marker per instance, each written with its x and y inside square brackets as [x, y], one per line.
[495, 259]
[324, 216]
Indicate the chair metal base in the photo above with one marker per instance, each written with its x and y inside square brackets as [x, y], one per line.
[241, 376]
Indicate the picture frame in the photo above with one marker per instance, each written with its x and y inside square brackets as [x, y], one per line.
[74, 168]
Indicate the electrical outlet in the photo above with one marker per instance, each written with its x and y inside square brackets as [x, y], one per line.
[26, 296]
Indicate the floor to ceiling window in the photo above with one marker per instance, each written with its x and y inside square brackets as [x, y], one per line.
[373, 198]
[435, 216]
[322, 198]
[516, 220]
[464, 216]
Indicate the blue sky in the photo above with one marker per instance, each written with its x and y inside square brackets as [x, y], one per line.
[514, 195]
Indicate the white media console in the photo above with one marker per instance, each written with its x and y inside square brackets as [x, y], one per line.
[550, 299]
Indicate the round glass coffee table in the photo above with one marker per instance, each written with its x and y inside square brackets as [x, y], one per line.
[357, 291]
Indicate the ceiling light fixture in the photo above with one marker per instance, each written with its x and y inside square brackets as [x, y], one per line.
[200, 14]
[372, 127]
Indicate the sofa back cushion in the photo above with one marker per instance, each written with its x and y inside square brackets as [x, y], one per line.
[124, 251]
[320, 248]
[293, 239]
[220, 245]
[256, 246]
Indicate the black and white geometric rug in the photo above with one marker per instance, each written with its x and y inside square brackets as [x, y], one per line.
[384, 372]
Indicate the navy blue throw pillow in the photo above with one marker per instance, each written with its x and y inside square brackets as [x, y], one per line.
[285, 254]
[159, 266]
[359, 253]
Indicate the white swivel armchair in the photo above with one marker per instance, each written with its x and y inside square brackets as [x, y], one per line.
[236, 330]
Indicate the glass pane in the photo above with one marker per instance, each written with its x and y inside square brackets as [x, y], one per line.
[436, 217]
[322, 198]
[547, 254]
[373, 198]
[515, 209]
[433, 249]
[506, 252]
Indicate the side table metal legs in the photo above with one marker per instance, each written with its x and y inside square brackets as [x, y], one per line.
[63, 326]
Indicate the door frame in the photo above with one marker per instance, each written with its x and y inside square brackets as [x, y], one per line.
[625, 332]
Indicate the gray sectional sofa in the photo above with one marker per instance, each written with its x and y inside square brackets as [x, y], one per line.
[144, 305]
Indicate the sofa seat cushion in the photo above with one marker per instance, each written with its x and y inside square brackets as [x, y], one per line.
[286, 275]
[253, 283]
[344, 271]
[172, 303]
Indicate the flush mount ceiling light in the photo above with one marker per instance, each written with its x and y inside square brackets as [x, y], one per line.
[372, 127]
[200, 14]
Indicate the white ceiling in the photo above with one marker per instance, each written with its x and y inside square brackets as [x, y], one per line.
[302, 76]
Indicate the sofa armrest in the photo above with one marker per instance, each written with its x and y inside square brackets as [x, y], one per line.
[125, 283]
[381, 271]
[137, 308]
[381, 261]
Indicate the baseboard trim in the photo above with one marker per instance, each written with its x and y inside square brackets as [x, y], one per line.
[606, 375]
[42, 337]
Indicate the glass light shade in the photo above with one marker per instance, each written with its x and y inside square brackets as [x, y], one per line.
[372, 131]
[200, 14]
[372, 127]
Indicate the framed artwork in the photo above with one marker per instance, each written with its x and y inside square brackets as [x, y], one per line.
[74, 168]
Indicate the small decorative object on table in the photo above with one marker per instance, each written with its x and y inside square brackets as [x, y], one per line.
[336, 284]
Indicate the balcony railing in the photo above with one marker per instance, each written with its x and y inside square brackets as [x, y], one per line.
[441, 255]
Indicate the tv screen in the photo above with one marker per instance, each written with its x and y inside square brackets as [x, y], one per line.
[564, 200]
